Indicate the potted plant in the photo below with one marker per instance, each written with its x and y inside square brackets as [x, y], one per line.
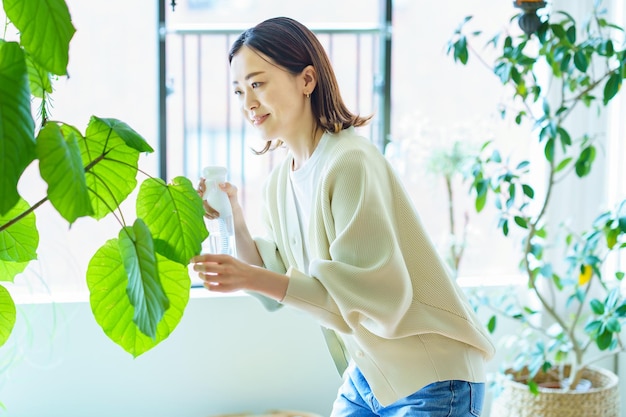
[577, 307]
[138, 280]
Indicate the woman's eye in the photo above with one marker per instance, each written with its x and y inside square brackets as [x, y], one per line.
[255, 84]
[238, 92]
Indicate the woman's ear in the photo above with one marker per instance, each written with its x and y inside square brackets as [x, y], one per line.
[309, 75]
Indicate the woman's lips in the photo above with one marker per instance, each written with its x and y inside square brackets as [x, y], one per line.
[258, 120]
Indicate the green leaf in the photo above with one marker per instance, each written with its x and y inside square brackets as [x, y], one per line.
[17, 127]
[125, 132]
[481, 200]
[606, 48]
[460, 50]
[571, 34]
[9, 270]
[491, 325]
[612, 86]
[521, 222]
[7, 315]
[503, 71]
[566, 140]
[39, 78]
[107, 282]
[549, 149]
[175, 216]
[585, 161]
[111, 166]
[528, 190]
[563, 164]
[597, 306]
[604, 340]
[61, 167]
[613, 325]
[18, 242]
[144, 288]
[611, 236]
[45, 30]
[558, 31]
[580, 61]
[593, 327]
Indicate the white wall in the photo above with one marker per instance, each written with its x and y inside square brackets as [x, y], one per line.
[228, 355]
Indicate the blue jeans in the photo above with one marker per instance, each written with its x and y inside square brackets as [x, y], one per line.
[439, 399]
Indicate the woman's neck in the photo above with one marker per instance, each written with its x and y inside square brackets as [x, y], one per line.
[302, 148]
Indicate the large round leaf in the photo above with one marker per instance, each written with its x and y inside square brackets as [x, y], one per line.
[107, 282]
[110, 164]
[174, 215]
[45, 30]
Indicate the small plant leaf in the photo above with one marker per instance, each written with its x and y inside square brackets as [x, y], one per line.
[491, 325]
[604, 340]
[580, 61]
[597, 306]
[611, 87]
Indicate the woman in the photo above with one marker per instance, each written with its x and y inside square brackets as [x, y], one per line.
[344, 242]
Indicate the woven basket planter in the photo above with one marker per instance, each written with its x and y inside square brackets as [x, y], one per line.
[601, 400]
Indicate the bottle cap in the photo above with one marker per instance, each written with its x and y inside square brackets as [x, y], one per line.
[214, 173]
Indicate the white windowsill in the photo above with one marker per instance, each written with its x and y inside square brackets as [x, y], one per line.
[23, 296]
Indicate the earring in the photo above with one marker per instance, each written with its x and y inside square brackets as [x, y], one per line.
[308, 95]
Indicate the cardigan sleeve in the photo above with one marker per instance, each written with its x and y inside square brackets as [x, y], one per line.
[270, 255]
[360, 276]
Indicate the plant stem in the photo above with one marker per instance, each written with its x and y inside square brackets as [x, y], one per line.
[23, 214]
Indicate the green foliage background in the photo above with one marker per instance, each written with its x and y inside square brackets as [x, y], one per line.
[565, 65]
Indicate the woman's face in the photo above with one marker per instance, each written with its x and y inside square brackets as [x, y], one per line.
[271, 98]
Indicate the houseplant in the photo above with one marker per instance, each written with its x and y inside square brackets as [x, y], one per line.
[138, 281]
[577, 307]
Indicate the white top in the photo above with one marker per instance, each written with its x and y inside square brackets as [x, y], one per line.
[303, 184]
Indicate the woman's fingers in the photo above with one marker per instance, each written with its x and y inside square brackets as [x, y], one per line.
[210, 212]
[220, 272]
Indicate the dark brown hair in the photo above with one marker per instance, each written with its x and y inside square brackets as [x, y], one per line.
[292, 46]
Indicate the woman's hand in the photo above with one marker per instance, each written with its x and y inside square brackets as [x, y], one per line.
[228, 188]
[223, 273]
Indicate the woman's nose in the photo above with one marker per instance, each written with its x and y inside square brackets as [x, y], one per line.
[250, 102]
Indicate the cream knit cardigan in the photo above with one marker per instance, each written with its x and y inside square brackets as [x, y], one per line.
[375, 276]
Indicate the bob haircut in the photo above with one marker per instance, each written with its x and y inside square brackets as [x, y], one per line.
[292, 46]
